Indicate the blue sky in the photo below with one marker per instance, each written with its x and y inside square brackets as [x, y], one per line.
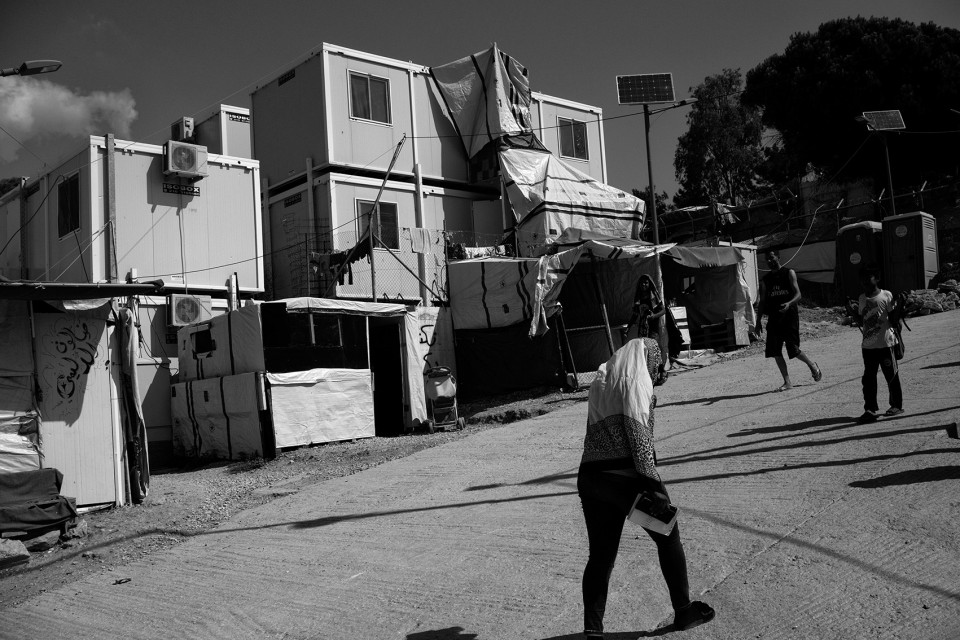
[132, 68]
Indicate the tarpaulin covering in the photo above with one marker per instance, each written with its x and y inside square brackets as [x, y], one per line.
[548, 195]
[321, 405]
[31, 501]
[813, 262]
[218, 417]
[19, 420]
[487, 95]
[721, 289]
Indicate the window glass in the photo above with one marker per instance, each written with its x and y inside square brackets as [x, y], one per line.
[573, 138]
[388, 230]
[359, 97]
[369, 98]
[68, 205]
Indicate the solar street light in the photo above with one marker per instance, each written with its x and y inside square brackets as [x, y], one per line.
[647, 89]
[881, 121]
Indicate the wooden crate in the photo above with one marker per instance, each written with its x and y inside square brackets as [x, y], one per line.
[722, 336]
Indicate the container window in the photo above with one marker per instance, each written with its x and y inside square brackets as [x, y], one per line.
[68, 205]
[387, 229]
[369, 98]
[573, 138]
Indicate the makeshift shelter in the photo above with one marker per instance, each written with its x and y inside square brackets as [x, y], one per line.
[294, 372]
[68, 394]
[592, 279]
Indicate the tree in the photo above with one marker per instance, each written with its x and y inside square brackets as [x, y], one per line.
[813, 91]
[718, 156]
[662, 198]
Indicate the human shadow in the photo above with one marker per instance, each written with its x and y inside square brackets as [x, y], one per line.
[619, 635]
[450, 633]
[796, 426]
[810, 465]
[777, 538]
[913, 476]
[713, 400]
[739, 447]
[942, 365]
[554, 477]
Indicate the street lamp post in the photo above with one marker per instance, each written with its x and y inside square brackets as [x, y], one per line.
[880, 122]
[32, 67]
[647, 89]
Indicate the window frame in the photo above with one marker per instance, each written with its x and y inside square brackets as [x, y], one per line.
[75, 215]
[562, 123]
[361, 216]
[388, 102]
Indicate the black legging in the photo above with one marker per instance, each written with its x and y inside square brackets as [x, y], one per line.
[606, 500]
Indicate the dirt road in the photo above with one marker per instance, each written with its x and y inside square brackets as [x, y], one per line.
[798, 523]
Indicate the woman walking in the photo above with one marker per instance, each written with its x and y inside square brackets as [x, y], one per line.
[619, 462]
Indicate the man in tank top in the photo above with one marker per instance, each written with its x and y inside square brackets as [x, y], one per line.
[779, 296]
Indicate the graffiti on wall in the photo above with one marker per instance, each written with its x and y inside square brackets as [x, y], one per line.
[436, 338]
[68, 352]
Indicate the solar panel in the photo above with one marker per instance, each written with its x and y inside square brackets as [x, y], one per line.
[884, 120]
[647, 88]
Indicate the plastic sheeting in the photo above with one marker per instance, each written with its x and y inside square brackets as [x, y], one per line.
[321, 405]
[487, 95]
[549, 196]
[218, 417]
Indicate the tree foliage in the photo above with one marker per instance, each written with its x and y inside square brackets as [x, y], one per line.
[718, 156]
[813, 91]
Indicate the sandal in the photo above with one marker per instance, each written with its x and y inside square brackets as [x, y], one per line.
[693, 615]
[783, 387]
[818, 376]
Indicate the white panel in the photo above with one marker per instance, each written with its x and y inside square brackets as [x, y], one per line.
[77, 430]
[321, 405]
[218, 417]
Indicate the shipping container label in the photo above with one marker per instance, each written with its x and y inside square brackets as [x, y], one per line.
[238, 117]
[181, 189]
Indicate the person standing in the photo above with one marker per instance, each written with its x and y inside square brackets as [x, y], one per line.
[618, 463]
[873, 312]
[779, 297]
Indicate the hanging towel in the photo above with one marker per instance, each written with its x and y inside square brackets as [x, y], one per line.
[420, 240]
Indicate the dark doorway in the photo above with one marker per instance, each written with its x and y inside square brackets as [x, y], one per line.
[386, 362]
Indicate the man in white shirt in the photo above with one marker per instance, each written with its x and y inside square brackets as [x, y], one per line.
[873, 311]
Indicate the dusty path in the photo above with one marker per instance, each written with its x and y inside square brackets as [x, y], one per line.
[797, 523]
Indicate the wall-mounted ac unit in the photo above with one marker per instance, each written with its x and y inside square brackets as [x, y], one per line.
[182, 129]
[184, 159]
[187, 309]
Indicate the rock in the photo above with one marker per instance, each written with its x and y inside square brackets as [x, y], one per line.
[82, 530]
[12, 553]
[41, 543]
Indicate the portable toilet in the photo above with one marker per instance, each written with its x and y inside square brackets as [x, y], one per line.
[858, 244]
[910, 257]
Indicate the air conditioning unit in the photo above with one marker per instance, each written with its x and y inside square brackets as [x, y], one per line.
[182, 129]
[185, 160]
[187, 309]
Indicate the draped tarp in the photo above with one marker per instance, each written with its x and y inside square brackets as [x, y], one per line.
[721, 290]
[548, 196]
[487, 95]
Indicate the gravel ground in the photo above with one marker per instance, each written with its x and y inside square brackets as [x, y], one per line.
[186, 501]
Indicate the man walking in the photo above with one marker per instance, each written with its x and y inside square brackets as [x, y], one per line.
[873, 311]
[779, 296]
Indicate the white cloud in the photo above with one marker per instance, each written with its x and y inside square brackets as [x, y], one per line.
[33, 108]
